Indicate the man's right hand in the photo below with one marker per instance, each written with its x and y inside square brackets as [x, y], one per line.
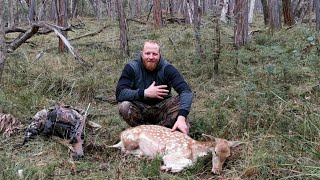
[156, 91]
[181, 125]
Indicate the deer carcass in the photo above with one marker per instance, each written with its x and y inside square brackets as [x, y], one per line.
[178, 150]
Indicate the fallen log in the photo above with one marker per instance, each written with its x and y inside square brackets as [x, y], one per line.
[42, 31]
[89, 34]
[56, 29]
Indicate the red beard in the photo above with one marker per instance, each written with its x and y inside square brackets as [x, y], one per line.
[150, 66]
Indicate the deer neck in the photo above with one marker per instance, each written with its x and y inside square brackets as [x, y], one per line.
[201, 148]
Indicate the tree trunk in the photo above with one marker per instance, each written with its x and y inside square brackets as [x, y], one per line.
[108, 9]
[138, 8]
[287, 12]
[274, 14]
[241, 23]
[124, 47]
[2, 42]
[252, 3]
[114, 9]
[211, 5]
[196, 23]
[32, 11]
[301, 9]
[309, 12]
[204, 7]
[13, 13]
[188, 14]
[95, 4]
[74, 8]
[42, 10]
[53, 10]
[171, 8]
[99, 9]
[217, 47]
[231, 11]
[265, 9]
[157, 13]
[178, 7]
[224, 11]
[62, 21]
[317, 9]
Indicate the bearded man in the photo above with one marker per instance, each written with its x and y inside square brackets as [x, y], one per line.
[144, 91]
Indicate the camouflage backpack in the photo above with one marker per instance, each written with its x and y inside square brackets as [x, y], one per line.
[61, 121]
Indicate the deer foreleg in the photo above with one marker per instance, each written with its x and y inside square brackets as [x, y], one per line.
[175, 163]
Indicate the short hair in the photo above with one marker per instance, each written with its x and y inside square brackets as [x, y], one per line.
[152, 42]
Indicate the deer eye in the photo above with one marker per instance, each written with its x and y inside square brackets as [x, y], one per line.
[215, 153]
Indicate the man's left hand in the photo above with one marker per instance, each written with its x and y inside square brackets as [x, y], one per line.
[181, 125]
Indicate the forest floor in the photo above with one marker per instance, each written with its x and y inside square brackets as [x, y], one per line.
[266, 94]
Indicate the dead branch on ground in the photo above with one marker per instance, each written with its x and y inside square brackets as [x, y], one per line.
[43, 31]
[34, 29]
[23, 38]
[89, 34]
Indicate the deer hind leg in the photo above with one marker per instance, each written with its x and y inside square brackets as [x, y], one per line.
[144, 149]
[174, 163]
[129, 148]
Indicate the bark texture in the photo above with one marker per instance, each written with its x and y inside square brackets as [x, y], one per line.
[196, 23]
[274, 14]
[317, 9]
[62, 21]
[157, 13]
[241, 23]
[124, 47]
[265, 12]
[2, 42]
[287, 12]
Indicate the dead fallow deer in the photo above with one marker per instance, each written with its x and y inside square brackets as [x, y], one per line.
[178, 150]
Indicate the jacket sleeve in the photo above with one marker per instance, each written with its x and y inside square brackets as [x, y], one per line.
[124, 91]
[178, 83]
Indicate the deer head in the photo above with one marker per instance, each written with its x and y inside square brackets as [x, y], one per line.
[220, 151]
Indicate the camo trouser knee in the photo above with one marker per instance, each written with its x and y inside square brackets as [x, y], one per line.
[136, 113]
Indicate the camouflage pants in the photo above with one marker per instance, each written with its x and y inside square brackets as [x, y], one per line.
[164, 113]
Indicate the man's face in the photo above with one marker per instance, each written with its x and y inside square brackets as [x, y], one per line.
[150, 56]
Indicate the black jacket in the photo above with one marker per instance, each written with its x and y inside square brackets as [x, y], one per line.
[135, 78]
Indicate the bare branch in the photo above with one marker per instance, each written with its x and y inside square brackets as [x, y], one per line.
[23, 38]
[66, 42]
[34, 29]
[14, 30]
[89, 34]
[43, 31]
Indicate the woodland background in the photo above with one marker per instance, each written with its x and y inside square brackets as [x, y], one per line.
[253, 67]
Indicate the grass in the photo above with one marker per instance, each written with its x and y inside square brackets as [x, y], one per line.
[270, 101]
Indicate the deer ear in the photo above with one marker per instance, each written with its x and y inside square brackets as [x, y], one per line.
[234, 143]
[209, 137]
